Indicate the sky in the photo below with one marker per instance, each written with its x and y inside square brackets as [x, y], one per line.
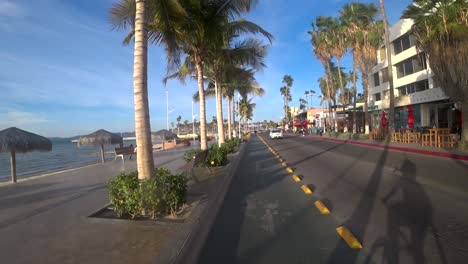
[65, 72]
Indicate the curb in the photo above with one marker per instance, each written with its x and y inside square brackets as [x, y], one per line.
[402, 149]
[195, 240]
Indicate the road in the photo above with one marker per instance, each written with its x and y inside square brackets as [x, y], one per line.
[403, 208]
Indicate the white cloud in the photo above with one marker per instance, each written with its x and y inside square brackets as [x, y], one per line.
[20, 118]
[10, 9]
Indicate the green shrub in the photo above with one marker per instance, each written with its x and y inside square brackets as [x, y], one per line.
[173, 189]
[153, 202]
[217, 156]
[161, 194]
[125, 194]
[190, 154]
[231, 145]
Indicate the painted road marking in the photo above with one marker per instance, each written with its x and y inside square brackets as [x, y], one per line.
[296, 178]
[321, 207]
[348, 237]
[289, 170]
[284, 164]
[306, 189]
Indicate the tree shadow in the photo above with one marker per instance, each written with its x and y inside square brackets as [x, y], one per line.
[360, 217]
[412, 212]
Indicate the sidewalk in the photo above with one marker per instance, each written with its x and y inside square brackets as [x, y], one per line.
[44, 220]
[451, 153]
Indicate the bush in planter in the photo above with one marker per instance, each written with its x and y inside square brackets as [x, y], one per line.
[125, 194]
[231, 145]
[173, 189]
[163, 193]
[190, 154]
[217, 156]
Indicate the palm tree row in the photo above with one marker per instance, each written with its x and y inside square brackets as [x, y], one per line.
[357, 31]
[204, 33]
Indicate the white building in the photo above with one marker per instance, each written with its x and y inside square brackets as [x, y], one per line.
[413, 85]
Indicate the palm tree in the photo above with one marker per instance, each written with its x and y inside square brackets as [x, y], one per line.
[306, 93]
[302, 104]
[178, 123]
[146, 20]
[440, 28]
[246, 110]
[186, 126]
[311, 94]
[286, 93]
[389, 69]
[365, 38]
[320, 41]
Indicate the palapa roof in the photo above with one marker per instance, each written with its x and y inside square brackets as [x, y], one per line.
[164, 134]
[15, 139]
[100, 137]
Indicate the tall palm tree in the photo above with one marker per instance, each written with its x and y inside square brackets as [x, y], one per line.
[306, 93]
[389, 68]
[311, 95]
[441, 30]
[178, 123]
[286, 93]
[366, 37]
[320, 40]
[246, 108]
[145, 20]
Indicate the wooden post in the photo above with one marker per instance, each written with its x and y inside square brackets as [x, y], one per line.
[102, 153]
[13, 166]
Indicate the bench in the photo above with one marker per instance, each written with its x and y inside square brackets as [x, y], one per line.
[121, 152]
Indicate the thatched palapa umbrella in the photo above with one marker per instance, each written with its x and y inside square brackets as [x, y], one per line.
[101, 137]
[164, 134]
[15, 140]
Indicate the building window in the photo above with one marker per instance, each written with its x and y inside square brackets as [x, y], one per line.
[383, 54]
[414, 87]
[377, 97]
[385, 75]
[411, 65]
[403, 43]
[376, 79]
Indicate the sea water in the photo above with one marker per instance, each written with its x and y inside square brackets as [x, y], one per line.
[64, 155]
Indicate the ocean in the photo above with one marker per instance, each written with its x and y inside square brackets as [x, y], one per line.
[64, 155]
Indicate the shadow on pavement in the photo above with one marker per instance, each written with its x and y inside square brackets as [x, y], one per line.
[413, 213]
[360, 217]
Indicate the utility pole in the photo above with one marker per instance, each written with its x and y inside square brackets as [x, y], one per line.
[167, 109]
[238, 113]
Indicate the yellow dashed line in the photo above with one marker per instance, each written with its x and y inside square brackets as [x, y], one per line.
[289, 170]
[348, 237]
[296, 178]
[306, 189]
[321, 207]
[284, 164]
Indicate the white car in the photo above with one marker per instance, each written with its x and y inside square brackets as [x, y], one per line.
[276, 133]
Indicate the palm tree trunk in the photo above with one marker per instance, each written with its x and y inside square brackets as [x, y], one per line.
[365, 88]
[219, 113]
[13, 166]
[201, 93]
[391, 120]
[229, 118]
[102, 154]
[464, 124]
[327, 82]
[145, 162]
[354, 94]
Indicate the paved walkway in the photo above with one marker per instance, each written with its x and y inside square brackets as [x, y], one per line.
[453, 153]
[44, 220]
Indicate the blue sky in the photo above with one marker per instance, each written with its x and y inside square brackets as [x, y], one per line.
[64, 72]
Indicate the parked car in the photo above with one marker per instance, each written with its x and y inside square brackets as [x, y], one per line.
[276, 133]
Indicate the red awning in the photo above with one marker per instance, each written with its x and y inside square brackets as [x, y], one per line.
[297, 124]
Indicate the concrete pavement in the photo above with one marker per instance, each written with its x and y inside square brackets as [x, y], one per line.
[44, 220]
[403, 207]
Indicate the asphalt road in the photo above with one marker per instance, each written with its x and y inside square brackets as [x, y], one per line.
[403, 208]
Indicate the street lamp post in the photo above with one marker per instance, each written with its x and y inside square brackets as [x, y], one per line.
[167, 109]
[238, 113]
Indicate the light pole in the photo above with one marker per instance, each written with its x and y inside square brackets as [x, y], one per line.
[238, 114]
[167, 109]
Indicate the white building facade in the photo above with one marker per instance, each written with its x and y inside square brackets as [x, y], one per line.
[413, 85]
